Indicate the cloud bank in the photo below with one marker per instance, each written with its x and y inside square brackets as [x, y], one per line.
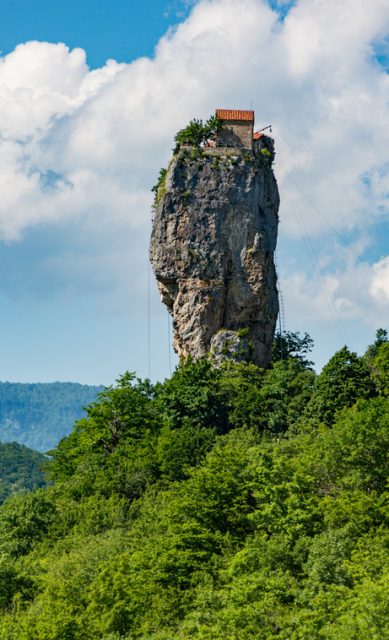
[80, 149]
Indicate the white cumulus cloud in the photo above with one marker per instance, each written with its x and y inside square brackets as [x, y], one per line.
[379, 288]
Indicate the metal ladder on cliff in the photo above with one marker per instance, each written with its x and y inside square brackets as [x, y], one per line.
[281, 306]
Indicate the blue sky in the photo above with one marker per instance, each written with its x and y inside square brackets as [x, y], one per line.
[119, 29]
[82, 141]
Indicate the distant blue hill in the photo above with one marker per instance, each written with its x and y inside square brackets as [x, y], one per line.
[39, 414]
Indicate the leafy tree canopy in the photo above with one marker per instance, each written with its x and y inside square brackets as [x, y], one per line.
[290, 345]
[197, 132]
[343, 380]
[225, 502]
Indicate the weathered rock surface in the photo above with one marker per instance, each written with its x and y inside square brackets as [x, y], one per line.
[212, 244]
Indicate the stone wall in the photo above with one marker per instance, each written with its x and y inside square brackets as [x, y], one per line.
[236, 133]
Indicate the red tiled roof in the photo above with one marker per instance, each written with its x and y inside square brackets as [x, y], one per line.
[257, 135]
[234, 114]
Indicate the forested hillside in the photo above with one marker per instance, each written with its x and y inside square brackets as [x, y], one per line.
[38, 415]
[21, 469]
[224, 504]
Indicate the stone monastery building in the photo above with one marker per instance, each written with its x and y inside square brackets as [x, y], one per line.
[237, 129]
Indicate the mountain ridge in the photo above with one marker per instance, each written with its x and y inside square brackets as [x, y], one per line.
[39, 414]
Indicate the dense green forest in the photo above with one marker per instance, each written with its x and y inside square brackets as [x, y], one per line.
[38, 415]
[21, 469]
[225, 503]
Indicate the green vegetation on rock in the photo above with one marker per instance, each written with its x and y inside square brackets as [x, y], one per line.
[197, 132]
[226, 502]
[194, 134]
[159, 189]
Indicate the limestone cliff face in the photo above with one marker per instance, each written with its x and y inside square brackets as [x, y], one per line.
[212, 244]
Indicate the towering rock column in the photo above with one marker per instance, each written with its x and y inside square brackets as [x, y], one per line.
[212, 245]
